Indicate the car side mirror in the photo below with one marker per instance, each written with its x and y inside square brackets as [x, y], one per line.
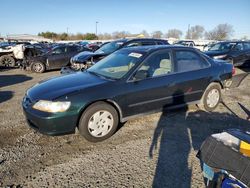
[140, 75]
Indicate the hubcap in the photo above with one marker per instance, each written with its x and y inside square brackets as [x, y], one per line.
[7, 61]
[100, 123]
[38, 67]
[213, 98]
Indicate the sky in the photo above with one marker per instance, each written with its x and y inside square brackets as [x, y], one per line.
[34, 16]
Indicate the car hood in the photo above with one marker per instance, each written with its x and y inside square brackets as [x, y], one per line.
[84, 56]
[215, 53]
[56, 87]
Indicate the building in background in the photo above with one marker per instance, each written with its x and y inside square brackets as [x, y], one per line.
[27, 37]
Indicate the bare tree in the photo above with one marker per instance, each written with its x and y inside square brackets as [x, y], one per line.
[145, 33]
[157, 34]
[195, 32]
[220, 32]
[174, 33]
[104, 36]
[120, 34]
[244, 37]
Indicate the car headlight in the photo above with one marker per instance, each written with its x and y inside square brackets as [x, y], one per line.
[50, 106]
[220, 56]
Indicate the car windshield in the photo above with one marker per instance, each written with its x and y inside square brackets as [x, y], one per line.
[117, 64]
[109, 47]
[221, 47]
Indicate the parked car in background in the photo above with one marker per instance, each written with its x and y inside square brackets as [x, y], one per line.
[123, 85]
[207, 46]
[56, 58]
[188, 43]
[13, 52]
[235, 52]
[93, 46]
[86, 59]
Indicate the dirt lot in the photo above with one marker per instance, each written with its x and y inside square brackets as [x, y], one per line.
[156, 150]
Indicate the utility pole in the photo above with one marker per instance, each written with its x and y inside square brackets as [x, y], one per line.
[188, 35]
[96, 27]
[67, 31]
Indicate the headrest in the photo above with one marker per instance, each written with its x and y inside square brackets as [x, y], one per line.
[165, 63]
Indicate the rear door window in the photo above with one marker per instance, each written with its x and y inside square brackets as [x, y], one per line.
[71, 49]
[133, 44]
[238, 47]
[188, 60]
[247, 45]
[159, 43]
[148, 43]
[59, 50]
[141, 43]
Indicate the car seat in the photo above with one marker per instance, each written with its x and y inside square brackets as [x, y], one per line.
[164, 68]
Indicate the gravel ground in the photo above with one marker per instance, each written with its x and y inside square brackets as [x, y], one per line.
[156, 150]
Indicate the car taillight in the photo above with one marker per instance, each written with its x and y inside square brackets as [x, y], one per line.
[233, 71]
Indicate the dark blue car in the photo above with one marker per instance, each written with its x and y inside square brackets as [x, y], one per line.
[129, 82]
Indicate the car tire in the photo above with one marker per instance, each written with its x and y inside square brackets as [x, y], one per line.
[98, 122]
[211, 97]
[7, 61]
[38, 67]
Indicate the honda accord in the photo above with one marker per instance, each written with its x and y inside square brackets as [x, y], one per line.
[130, 82]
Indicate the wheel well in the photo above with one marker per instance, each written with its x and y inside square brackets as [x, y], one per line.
[218, 82]
[7, 53]
[108, 101]
[213, 82]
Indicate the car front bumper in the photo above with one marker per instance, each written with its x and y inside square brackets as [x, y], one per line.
[50, 123]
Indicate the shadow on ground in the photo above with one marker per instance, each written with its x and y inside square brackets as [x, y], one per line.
[245, 68]
[5, 95]
[178, 134]
[2, 68]
[7, 80]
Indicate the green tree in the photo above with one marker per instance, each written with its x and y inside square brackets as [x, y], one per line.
[63, 36]
[90, 36]
[48, 34]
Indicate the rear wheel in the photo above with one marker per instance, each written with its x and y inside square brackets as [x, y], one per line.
[7, 60]
[211, 97]
[98, 122]
[38, 67]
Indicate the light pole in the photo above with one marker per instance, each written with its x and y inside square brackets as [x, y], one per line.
[96, 27]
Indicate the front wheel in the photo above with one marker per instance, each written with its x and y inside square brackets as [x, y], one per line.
[98, 122]
[211, 97]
